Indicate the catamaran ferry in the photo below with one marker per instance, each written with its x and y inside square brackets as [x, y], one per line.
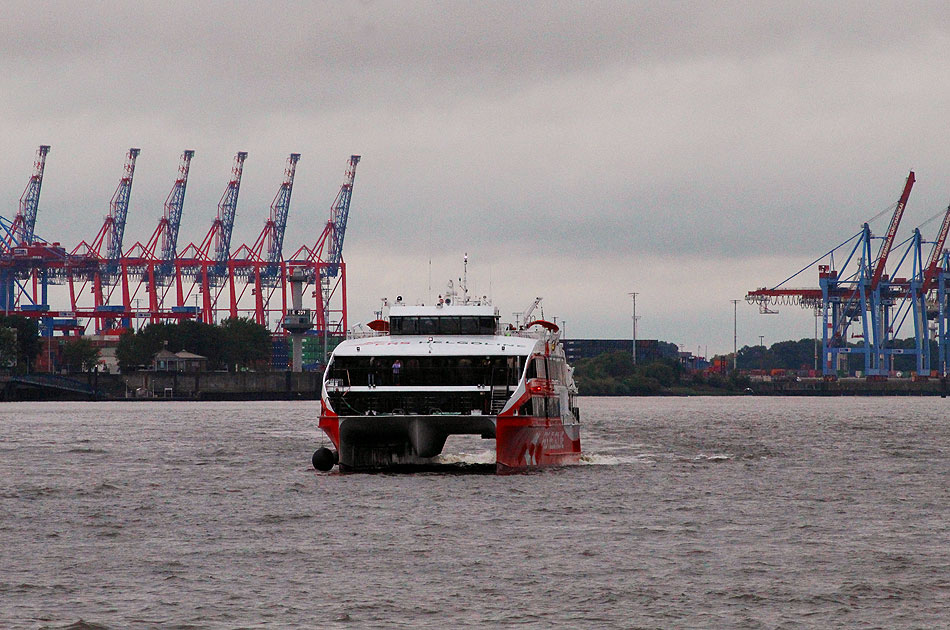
[394, 393]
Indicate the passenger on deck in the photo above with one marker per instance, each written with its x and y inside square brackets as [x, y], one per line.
[397, 367]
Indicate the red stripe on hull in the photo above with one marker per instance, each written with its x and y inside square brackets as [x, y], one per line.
[330, 423]
[527, 442]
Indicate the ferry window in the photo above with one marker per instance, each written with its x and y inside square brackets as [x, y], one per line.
[514, 370]
[486, 325]
[402, 325]
[428, 325]
[449, 325]
[540, 369]
[468, 325]
[554, 407]
[537, 406]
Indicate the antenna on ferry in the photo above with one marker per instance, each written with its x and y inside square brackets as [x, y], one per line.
[465, 279]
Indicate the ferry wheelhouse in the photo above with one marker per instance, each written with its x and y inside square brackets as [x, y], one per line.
[393, 395]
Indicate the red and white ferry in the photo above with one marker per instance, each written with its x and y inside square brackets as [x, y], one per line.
[392, 395]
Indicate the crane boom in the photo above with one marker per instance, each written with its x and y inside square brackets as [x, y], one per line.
[339, 212]
[174, 204]
[227, 208]
[279, 209]
[25, 220]
[119, 207]
[892, 231]
[930, 273]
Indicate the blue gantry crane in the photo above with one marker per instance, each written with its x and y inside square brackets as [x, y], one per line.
[860, 291]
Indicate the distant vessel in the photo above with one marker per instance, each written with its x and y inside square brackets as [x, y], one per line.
[392, 395]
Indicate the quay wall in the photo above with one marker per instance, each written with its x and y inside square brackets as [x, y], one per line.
[851, 387]
[167, 385]
[222, 385]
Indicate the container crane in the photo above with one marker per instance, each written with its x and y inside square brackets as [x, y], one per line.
[265, 271]
[323, 264]
[20, 232]
[853, 292]
[93, 272]
[927, 305]
[142, 261]
[110, 238]
[208, 263]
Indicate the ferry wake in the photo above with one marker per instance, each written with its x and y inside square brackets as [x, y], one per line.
[393, 393]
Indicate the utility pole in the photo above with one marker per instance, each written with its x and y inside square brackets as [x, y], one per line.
[762, 340]
[735, 335]
[634, 296]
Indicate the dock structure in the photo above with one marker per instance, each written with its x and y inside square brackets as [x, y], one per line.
[865, 302]
[108, 288]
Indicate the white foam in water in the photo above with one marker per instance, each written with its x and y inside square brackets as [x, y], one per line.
[599, 459]
[484, 457]
[714, 457]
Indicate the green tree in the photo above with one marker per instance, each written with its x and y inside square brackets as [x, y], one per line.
[615, 374]
[135, 350]
[80, 355]
[27, 340]
[244, 343]
[8, 358]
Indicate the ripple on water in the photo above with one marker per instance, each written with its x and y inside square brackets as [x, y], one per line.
[692, 513]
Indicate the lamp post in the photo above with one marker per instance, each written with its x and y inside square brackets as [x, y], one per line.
[634, 296]
[735, 335]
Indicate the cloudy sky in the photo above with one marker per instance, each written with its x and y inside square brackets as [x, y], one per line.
[687, 151]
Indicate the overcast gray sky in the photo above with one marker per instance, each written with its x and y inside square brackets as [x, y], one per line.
[578, 151]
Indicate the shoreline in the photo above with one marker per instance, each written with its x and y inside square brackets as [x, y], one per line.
[238, 386]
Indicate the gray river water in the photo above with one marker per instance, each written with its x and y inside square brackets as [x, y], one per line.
[687, 513]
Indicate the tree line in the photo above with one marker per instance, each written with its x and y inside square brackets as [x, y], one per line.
[615, 374]
[233, 344]
[800, 355]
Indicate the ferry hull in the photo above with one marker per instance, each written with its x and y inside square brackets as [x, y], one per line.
[527, 442]
[391, 442]
[386, 442]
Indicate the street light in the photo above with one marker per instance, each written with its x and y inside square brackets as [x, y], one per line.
[634, 296]
[735, 336]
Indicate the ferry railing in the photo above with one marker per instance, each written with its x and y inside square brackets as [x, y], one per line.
[488, 377]
[531, 333]
[359, 333]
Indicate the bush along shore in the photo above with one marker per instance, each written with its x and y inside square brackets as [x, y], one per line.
[615, 374]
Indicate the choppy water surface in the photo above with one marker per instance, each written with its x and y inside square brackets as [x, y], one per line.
[689, 513]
